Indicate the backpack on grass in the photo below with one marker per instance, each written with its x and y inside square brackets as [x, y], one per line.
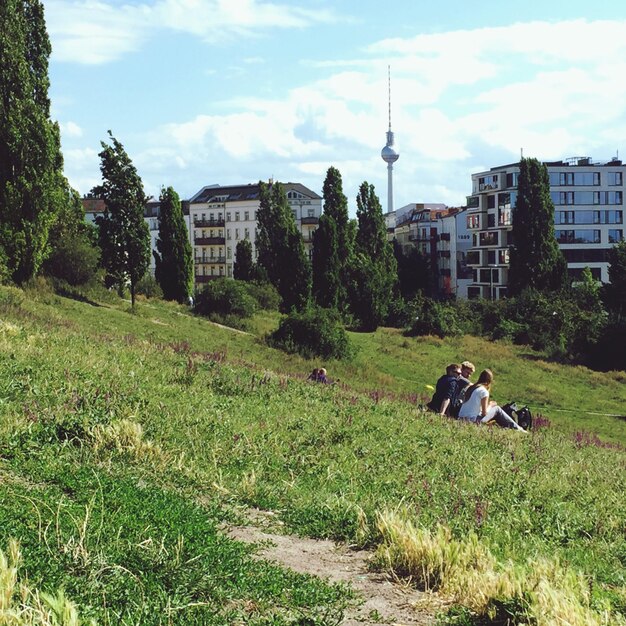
[522, 415]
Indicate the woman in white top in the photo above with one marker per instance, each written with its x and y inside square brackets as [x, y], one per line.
[478, 408]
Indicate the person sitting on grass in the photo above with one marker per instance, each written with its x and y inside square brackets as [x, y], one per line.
[479, 409]
[445, 391]
[314, 375]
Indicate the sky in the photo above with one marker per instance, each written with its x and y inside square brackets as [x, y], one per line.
[204, 92]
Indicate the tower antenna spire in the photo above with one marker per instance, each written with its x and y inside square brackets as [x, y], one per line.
[389, 88]
[388, 153]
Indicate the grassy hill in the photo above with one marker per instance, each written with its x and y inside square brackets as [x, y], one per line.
[126, 439]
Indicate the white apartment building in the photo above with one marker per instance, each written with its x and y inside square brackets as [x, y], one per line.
[221, 216]
[588, 219]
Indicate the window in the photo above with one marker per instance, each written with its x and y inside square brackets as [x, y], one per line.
[229, 253]
[614, 179]
[236, 233]
[473, 221]
[608, 197]
[588, 179]
[616, 235]
[246, 234]
[491, 220]
[488, 238]
[491, 202]
[503, 257]
[511, 179]
[577, 236]
[236, 216]
[246, 215]
[491, 257]
[228, 216]
[564, 217]
[310, 212]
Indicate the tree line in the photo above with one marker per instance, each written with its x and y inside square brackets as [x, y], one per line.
[355, 272]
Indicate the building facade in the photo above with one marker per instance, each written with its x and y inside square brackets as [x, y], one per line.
[588, 219]
[439, 233]
[221, 216]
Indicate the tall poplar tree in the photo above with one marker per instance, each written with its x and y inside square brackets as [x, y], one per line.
[173, 256]
[374, 268]
[122, 230]
[32, 186]
[280, 248]
[244, 268]
[535, 258]
[332, 246]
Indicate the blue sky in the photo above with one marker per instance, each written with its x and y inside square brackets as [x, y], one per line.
[233, 91]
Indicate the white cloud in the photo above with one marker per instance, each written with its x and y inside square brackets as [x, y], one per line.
[462, 102]
[94, 32]
[71, 129]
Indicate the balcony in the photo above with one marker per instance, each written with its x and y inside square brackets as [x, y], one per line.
[473, 202]
[210, 241]
[206, 279]
[208, 223]
[211, 260]
[310, 220]
[473, 257]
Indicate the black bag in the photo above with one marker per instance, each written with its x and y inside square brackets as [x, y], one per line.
[522, 416]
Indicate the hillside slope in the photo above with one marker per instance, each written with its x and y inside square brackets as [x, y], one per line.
[126, 439]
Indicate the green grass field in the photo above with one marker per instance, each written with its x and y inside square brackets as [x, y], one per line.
[127, 438]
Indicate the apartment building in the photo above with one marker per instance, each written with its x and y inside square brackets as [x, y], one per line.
[441, 234]
[221, 216]
[588, 219]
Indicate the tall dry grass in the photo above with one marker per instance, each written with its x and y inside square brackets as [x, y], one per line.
[20, 605]
[545, 591]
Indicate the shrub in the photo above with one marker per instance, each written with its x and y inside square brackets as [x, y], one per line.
[149, 287]
[73, 259]
[315, 332]
[225, 296]
[434, 318]
[265, 294]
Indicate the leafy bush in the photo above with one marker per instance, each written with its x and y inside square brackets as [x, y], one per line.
[149, 287]
[225, 296]
[265, 294]
[434, 318]
[74, 259]
[315, 332]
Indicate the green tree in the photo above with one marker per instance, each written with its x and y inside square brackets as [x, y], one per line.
[74, 254]
[374, 271]
[332, 246]
[535, 258]
[615, 290]
[244, 265]
[123, 233]
[414, 272]
[280, 247]
[173, 256]
[31, 167]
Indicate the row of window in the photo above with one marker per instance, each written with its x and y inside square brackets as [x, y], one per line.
[585, 236]
[588, 217]
[589, 179]
[615, 235]
[561, 198]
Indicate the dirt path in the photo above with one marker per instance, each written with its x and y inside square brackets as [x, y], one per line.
[384, 602]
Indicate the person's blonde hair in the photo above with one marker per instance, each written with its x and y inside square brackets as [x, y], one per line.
[468, 365]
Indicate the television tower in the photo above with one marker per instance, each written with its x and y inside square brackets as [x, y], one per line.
[388, 154]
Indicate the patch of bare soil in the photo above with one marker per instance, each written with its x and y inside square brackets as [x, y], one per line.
[384, 602]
